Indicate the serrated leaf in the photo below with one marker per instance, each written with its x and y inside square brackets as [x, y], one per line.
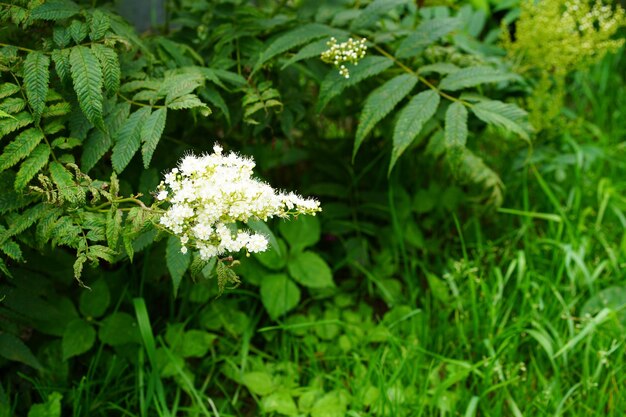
[188, 101]
[4, 270]
[507, 116]
[380, 103]
[179, 85]
[36, 78]
[473, 76]
[311, 50]
[439, 68]
[61, 58]
[114, 227]
[12, 105]
[176, 261]
[293, 38]
[212, 96]
[411, 120]
[32, 165]
[55, 10]
[56, 110]
[26, 219]
[8, 89]
[100, 23]
[63, 179]
[78, 337]
[14, 349]
[279, 294]
[20, 148]
[17, 122]
[78, 31]
[87, 78]
[428, 32]
[310, 270]
[128, 139]
[99, 142]
[61, 37]
[456, 126]
[334, 83]
[110, 67]
[12, 250]
[151, 134]
[96, 252]
[373, 11]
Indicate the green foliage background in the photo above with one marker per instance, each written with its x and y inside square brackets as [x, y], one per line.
[468, 260]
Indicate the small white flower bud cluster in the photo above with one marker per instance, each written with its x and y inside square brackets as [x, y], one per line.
[209, 194]
[349, 51]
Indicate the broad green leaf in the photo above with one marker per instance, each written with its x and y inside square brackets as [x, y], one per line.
[119, 329]
[78, 338]
[55, 10]
[20, 148]
[259, 383]
[293, 38]
[428, 32]
[302, 232]
[411, 120]
[196, 343]
[473, 76]
[373, 11]
[93, 302]
[128, 139]
[334, 83]
[8, 89]
[280, 402]
[273, 259]
[310, 270]
[110, 67]
[507, 116]
[456, 126]
[99, 142]
[279, 294]
[151, 134]
[177, 262]
[36, 78]
[332, 404]
[100, 23]
[380, 103]
[32, 165]
[14, 349]
[51, 408]
[87, 78]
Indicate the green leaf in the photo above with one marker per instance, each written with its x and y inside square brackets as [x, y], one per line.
[61, 37]
[259, 383]
[78, 31]
[151, 134]
[12, 250]
[94, 302]
[302, 232]
[411, 120]
[51, 408]
[55, 10]
[428, 32]
[272, 258]
[8, 89]
[128, 139]
[87, 78]
[14, 349]
[380, 103]
[32, 165]
[332, 404]
[188, 101]
[334, 83]
[68, 190]
[176, 261]
[279, 294]
[99, 142]
[119, 329]
[20, 148]
[17, 122]
[78, 337]
[456, 126]
[473, 76]
[110, 67]
[100, 23]
[507, 116]
[295, 37]
[280, 402]
[312, 50]
[11, 105]
[613, 298]
[113, 227]
[374, 11]
[310, 270]
[36, 78]
[61, 58]
[196, 343]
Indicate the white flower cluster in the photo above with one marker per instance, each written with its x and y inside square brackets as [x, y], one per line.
[209, 194]
[349, 51]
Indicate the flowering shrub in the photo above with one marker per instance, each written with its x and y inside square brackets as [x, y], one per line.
[210, 194]
[350, 51]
